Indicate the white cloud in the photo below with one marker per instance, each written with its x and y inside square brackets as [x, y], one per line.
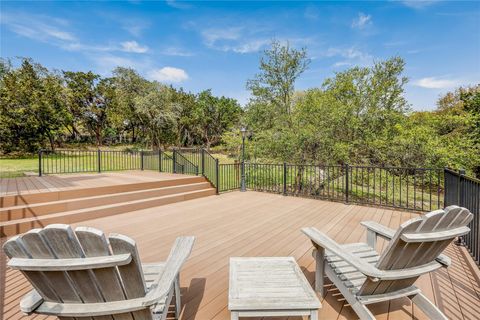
[38, 27]
[419, 4]
[361, 21]
[249, 46]
[178, 4]
[213, 35]
[133, 46]
[134, 26]
[350, 56]
[109, 61]
[234, 39]
[177, 52]
[436, 83]
[341, 64]
[168, 74]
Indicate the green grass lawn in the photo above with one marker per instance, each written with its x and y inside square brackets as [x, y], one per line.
[17, 167]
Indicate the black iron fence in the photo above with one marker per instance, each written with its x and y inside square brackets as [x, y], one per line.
[419, 189]
[465, 192]
[87, 161]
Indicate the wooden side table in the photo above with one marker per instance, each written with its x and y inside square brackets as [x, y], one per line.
[270, 287]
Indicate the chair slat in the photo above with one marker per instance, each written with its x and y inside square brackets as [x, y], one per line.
[418, 242]
[131, 274]
[58, 281]
[14, 249]
[94, 244]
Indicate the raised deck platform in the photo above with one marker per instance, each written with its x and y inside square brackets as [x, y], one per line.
[62, 182]
[260, 224]
[74, 198]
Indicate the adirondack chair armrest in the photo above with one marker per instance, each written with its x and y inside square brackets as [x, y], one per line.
[322, 240]
[378, 229]
[409, 272]
[30, 302]
[163, 284]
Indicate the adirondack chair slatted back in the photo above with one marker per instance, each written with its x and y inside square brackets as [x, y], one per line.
[107, 284]
[424, 249]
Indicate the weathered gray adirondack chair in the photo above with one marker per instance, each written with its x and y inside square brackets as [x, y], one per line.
[364, 277]
[79, 274]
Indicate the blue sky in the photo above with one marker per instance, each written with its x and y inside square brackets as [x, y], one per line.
[203, 45]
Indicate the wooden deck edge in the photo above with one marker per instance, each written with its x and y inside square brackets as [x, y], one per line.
[49, 196]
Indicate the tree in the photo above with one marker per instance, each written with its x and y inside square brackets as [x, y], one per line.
[32, 108]
[273, 88]
[128, 86]
[214, 116]
[158, 113]
[89, 99]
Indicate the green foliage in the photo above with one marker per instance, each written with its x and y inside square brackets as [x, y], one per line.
[39, 107]
[32, 108]
[359, 116]
[273, 88]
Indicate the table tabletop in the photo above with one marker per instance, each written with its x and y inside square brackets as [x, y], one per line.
[269, 283]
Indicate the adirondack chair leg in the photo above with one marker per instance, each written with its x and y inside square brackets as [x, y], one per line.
[178, 301]
[314, 315]
[428, 307]
[234, 315]
[319, 255]
[371, 239]
[360, 309]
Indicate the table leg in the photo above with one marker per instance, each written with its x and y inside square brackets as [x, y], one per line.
[314, 315]
[234, 315]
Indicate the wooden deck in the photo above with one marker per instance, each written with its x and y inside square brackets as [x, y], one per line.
[260, 224]
[35, 184]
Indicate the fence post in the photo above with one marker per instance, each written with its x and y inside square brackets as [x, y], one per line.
[99, 160]
[141, 160]
[347, 188]
[284, 178]
[40, 163]
[460, 199]
[445, 187]
[461, 189]
[203, 162]
[174, 158]
[216, 176]
[159, 160]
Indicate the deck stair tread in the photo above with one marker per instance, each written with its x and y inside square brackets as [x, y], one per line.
[23, 217]
[108, 206]
[90, 201]
[76, 193]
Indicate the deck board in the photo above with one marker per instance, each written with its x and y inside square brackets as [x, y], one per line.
[34, 184]
[260, 224]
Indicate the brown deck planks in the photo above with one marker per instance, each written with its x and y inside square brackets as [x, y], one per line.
[260, 224]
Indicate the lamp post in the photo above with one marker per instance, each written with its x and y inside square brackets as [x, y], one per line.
[243, 188]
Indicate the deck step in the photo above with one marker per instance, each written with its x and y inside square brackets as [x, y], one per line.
[45, 208]
[51, 196]
[14, 227]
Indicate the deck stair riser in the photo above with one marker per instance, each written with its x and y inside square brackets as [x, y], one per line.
[44, 208]
[18, 226]
[51, 196]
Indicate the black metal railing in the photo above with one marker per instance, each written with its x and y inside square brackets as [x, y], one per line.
[419, 189]
[210, 169]
[465, 192]
[182, 164]
[84, 161]
[88, 161]
[229, 176]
